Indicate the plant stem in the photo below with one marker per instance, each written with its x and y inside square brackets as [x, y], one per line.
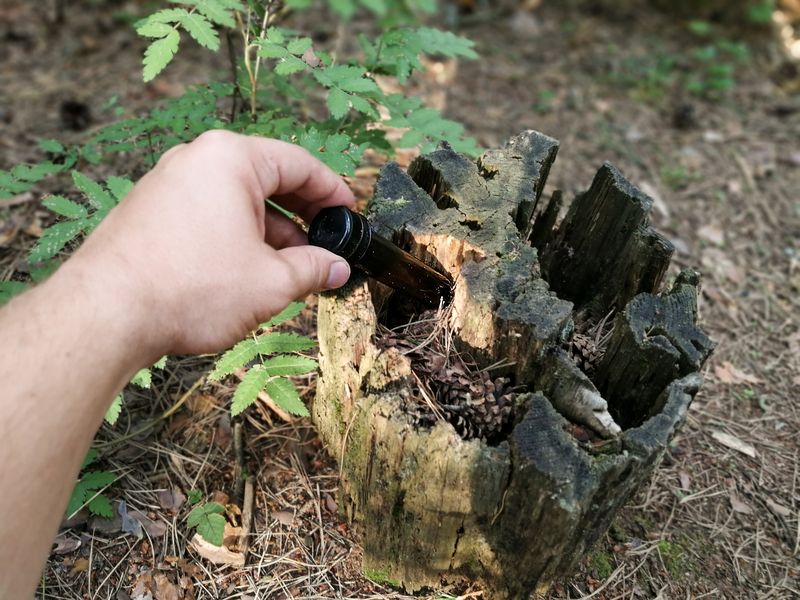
[261, 36]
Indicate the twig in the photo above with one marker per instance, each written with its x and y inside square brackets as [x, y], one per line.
[247, 515]
[239, 466]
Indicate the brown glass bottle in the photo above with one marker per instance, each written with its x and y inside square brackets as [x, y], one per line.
[349, 235]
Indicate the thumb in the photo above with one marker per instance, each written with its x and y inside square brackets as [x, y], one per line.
[311, 269]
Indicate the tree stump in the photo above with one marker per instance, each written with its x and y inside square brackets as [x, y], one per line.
[497, 438]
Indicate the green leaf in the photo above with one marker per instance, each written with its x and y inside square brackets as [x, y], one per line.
[65, 207]
[436, 41]
[201, 30]
[289, 64]
[288, 365]
[143, 378]
[218, 13]
[209, 521]
[113, 412]
[54, 239]
[284, 394]
[100, 505]
[248, 349]
[95, 480]
[9, 289]
[271, 50]
[338, 103]
[159, 54]
[290, 312]
[53, 146]
[167, 15]
[76, 499]
[160, 363]
[299, 45]
[345, 8]
[362, 105]
[247, 391]
[119, 186]
[91, 456]
[275, 35]
[700, 27]
[194, 496]
[95, 194]
[154, 29]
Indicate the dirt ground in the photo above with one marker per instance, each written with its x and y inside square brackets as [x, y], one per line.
[721, 516]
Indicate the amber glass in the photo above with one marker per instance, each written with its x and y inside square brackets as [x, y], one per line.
[350, 236]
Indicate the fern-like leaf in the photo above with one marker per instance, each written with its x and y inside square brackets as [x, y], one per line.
[54, 239]
[159, 54]
[247, 391]
[113, 412]
[95, 194]
[289, 365]
[246, 350]
[64, 207]
[197, 26]
[290, 312]
[284, 394]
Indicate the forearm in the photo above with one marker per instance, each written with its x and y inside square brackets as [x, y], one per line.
[67, 347]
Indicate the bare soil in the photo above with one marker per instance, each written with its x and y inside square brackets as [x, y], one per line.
[721, 516]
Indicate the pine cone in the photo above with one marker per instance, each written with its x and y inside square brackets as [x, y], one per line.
[584, 352]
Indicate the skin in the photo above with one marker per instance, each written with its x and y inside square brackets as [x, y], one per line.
[189, 263]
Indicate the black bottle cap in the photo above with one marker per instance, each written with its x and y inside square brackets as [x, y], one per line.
[343, 232]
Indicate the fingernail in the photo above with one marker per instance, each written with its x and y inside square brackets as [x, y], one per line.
[338, 275]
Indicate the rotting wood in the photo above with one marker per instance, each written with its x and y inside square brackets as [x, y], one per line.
[517, 510]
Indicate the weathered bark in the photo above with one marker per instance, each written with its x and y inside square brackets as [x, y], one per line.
[519, 511]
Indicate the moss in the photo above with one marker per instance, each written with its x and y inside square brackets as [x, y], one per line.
[601, 564]
[672, 555]
[380, 576]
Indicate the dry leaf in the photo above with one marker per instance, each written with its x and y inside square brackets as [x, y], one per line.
[734, 443]
[712, 233]
[778, 509]
[738, 505]
[171, 500]
[79, 566]
[727, 373]
[684, 478]
[65, 544]
[283, 517]
[330, 504]
[219, 555]
[231, 535]
[165, 589]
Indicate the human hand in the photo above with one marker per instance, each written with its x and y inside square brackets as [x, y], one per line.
[195, 257]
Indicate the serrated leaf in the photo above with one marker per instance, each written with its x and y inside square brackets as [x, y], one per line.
[37, 172]
[248, 349]
[299, 45]
[197, 26]
[338, 143]
[9, 289]
[54, 239]
[95, 194]
[159, 54]
[436, 41]
[290, 312]
[113, 412]
[160, 363]
[100, 505]
[119, 186]
[275, 35]
[338, 103]
[289, 365]
[284, 394]
[53, 146]
[143, 378]
[167, 15]
[95, 480]
[362, 105]
[65, 207]
[76, 499]
[271, 50]
[247, 391]
[217, 13]
[289, 64]
[154, 29]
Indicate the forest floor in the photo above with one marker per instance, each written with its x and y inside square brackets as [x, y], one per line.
[721, 516]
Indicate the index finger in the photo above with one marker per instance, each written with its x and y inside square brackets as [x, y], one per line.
[292, 177]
